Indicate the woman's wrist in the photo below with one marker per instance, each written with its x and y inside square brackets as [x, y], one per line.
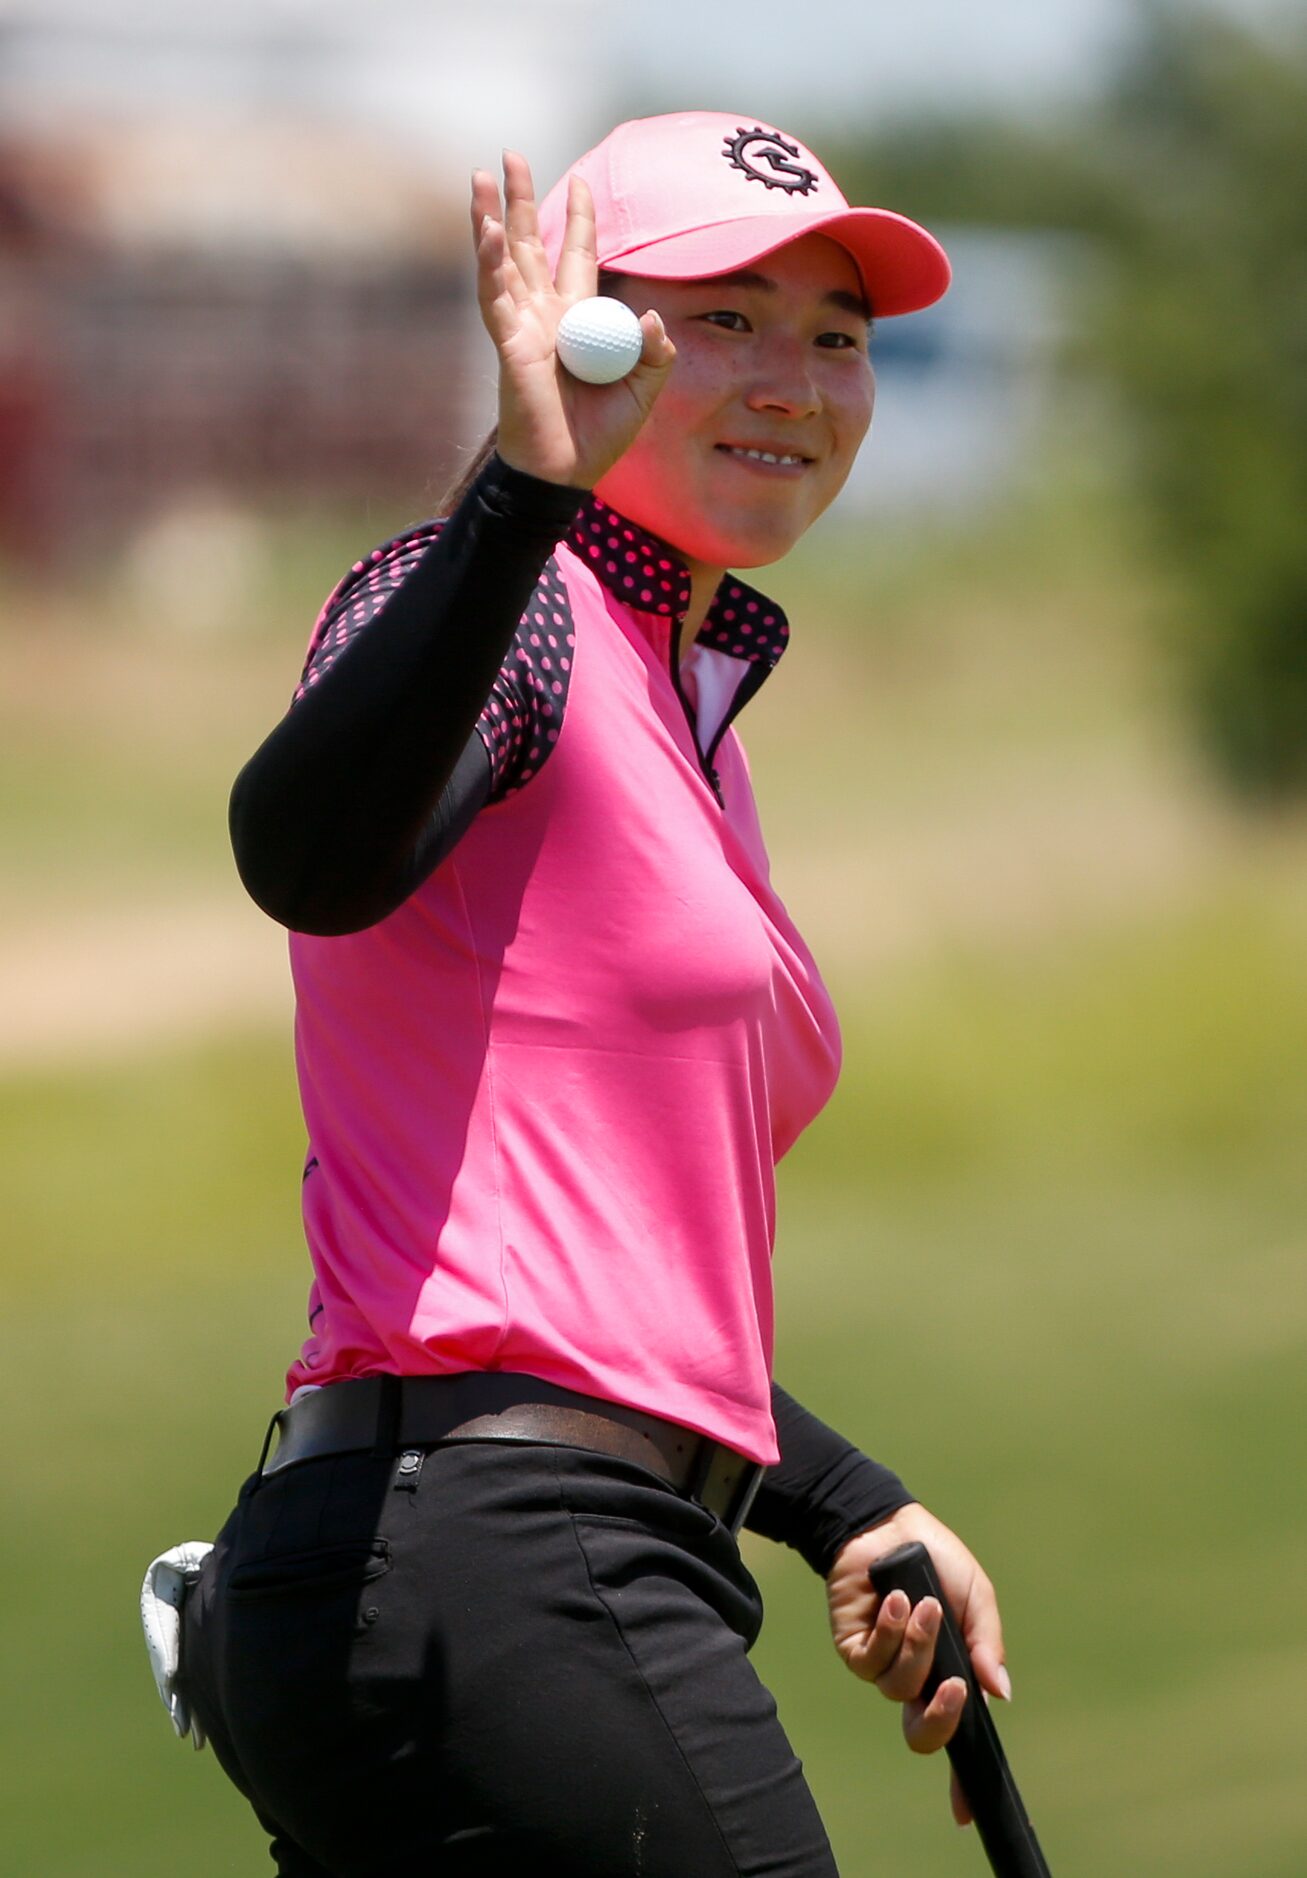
[514, 491]
[823, 1490]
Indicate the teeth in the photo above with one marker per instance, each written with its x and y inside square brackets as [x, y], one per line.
[764, 456]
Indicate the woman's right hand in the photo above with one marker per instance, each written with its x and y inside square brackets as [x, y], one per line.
[550, 424]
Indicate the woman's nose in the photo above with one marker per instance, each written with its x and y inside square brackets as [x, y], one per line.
[783, 382]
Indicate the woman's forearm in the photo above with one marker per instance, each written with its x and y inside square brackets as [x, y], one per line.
[823, 1489]
[375, 770]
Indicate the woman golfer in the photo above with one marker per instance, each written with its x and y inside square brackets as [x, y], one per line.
[481, 1607]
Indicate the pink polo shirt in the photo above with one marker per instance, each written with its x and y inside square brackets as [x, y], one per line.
[546, 1096]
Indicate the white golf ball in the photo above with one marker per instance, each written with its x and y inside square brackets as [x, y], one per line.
[599, 340]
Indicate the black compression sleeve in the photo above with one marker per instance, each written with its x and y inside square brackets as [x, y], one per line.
[822, 1490]
[372, 776]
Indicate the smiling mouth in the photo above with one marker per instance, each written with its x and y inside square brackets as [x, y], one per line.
[787, 459]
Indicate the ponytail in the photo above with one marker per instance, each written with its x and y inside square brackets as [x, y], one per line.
[456, 491]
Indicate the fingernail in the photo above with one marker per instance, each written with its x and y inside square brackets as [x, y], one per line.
[1004, 1683]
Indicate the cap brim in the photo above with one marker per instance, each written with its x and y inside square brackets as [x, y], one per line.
[903, 267]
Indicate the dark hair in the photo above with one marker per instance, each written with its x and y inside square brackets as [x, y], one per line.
[456, 490]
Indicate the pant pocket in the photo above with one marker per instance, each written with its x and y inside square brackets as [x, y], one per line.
[322, 1569]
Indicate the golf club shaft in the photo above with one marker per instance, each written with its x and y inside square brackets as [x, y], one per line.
[975, 1750]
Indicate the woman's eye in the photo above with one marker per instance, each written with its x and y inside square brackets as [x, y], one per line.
[729, 321]
[838, 341]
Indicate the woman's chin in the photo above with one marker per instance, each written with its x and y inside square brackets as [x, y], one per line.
[750, 546]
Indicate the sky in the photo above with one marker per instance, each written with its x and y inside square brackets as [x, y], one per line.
[851, 55]
[549, 76]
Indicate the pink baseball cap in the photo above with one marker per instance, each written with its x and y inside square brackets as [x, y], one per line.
[705, 192]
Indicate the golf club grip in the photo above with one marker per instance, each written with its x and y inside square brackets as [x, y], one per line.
[975, 1750]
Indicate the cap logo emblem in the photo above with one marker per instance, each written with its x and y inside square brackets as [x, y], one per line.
[765, 157]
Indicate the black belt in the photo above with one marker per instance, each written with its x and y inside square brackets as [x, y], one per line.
[384, 1414]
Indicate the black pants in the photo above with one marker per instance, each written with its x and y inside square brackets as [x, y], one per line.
[526, 1658]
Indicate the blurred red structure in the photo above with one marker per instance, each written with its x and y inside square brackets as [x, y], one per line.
[269, 315]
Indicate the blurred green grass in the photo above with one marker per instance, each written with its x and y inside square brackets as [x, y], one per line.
[1051, 1264]
[1043, 1253]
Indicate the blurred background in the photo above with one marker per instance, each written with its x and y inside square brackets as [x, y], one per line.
[1033, 782]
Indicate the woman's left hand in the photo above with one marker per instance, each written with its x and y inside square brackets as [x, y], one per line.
[892, 1643]
[552, 425]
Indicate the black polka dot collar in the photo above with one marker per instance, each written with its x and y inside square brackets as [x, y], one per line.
[651, 577]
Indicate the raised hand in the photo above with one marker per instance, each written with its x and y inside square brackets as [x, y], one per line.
[550, 424]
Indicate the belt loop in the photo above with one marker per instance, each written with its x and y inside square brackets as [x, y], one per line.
[390, 1398]
[267, 1439]
[746, 1494]
[701, 1467]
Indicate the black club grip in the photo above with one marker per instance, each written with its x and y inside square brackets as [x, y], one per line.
[975, 1750]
